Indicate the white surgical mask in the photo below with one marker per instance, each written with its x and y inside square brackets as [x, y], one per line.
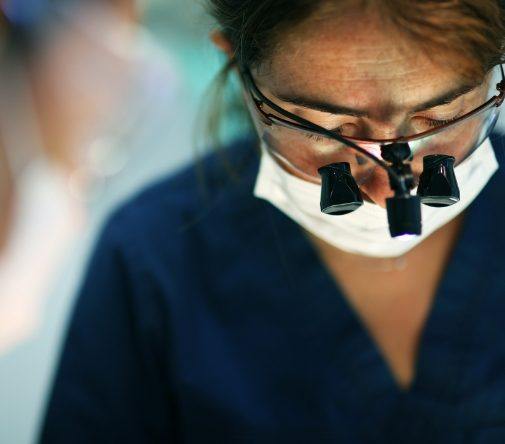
[366, 230]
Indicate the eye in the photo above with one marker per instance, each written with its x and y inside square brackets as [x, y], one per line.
[346, 130]
[316, 137]
[436, 123]
[425, 123]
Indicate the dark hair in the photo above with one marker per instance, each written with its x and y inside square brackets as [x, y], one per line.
[473, 30]
[251, 26]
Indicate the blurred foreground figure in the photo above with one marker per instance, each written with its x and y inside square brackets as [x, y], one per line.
[73, 87]
[77, 79]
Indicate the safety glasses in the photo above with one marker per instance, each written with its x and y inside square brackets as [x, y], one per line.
[306, 146]
[342, 162]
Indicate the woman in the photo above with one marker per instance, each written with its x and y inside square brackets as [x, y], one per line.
[238, 319]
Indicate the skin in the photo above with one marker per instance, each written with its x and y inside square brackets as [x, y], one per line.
[351, 59]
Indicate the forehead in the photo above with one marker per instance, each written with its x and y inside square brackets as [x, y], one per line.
[355, 56]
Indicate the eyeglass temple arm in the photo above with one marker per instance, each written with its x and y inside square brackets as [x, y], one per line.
[501, 86]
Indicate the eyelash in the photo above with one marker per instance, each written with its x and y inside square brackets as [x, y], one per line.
[433, 123]
[436, 123]
[316, 137]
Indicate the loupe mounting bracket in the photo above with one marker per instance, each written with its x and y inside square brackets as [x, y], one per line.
[396, 154]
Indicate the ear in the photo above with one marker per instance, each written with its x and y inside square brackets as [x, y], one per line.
[219, 39]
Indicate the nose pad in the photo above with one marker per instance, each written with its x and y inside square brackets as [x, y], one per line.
[339, 192]
[438, 186]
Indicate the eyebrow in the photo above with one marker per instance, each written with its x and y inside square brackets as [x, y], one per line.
[446, 98]
[325, 107]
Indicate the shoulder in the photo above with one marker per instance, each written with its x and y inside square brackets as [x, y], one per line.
[205, 202]
[209, 174]
[498, 143]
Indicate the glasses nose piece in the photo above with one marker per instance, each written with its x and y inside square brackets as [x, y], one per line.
[396, 153]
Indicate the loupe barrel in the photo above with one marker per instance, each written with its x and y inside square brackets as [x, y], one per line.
[438, 186]
[339, 192]
[404, 215]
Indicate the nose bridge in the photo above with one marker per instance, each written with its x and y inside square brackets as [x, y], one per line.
[377, 187]
[387, 128]
[386, 121]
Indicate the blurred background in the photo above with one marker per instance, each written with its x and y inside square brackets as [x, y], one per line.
[97, 98]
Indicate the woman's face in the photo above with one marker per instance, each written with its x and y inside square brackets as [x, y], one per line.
[352, 73]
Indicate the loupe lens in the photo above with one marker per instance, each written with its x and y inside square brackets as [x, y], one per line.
[339, 192]
[438, 186]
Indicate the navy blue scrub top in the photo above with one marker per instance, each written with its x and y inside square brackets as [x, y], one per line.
[212, 320]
